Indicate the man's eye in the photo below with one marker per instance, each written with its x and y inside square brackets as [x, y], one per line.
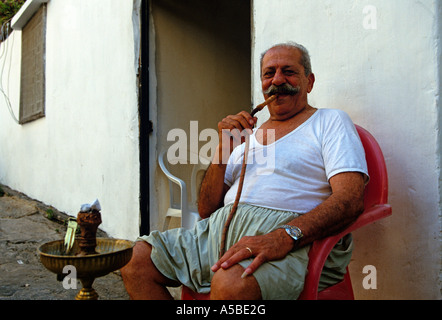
[268, 74]
[290, 72]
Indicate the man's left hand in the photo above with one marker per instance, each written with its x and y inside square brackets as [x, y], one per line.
[272, 246]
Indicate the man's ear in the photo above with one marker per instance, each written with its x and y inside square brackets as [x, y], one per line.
[311, 82]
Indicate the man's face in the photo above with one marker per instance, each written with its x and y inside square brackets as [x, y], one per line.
[282, 67]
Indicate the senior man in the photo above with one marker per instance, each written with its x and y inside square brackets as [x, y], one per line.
[312, 189]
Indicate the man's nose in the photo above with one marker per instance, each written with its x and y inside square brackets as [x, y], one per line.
[278, 78]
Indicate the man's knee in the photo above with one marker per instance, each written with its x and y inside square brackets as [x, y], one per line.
[139, 261]
[141, 269]
[228, 285]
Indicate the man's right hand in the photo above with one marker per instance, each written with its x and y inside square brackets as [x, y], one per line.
[231, 132]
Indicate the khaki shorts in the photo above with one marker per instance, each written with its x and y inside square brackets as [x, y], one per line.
[186, 256]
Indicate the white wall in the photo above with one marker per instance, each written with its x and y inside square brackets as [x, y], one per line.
[87, 145]
[387, 79]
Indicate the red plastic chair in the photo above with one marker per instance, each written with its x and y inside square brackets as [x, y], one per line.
[376, 208]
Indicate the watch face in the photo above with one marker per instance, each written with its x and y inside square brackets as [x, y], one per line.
[294, 233]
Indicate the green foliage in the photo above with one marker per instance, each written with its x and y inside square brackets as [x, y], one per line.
[8, 8]
[50, 214]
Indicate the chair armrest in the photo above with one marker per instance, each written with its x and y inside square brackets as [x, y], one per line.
[320, 249]
[178, 181]
[169, 175]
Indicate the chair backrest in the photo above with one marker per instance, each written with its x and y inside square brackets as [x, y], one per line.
[376, 191]
[197, 173]
[375, 208]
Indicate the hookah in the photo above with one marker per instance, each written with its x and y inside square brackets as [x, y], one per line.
[91, 257]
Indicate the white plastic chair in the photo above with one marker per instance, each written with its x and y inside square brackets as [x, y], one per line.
[189, 216]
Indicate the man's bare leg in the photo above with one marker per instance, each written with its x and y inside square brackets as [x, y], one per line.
[228, 285]
[142, 279]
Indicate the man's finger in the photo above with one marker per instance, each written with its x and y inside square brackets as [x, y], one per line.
[256, 263]
[231, 257]
[222, 260]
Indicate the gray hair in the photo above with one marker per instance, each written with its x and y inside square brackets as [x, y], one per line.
[305, 56]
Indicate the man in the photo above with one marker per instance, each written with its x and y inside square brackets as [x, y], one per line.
[315, 189]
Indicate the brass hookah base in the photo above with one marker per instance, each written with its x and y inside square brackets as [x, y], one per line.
[87, 292]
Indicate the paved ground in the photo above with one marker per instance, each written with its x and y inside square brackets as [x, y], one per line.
[25, 224]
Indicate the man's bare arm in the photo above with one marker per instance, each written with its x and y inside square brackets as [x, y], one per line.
[337, 212]
[342, 208]
[213, 190]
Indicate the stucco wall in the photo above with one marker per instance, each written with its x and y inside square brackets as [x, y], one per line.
[87, 145]
[378, 61]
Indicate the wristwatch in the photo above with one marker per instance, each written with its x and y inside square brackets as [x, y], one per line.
[292, 231]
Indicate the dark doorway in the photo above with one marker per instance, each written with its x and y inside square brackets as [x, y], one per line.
[202, 72]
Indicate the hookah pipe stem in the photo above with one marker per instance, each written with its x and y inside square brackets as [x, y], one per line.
[241, 178]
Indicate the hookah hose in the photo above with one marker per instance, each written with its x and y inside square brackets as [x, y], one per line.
[241, 178]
